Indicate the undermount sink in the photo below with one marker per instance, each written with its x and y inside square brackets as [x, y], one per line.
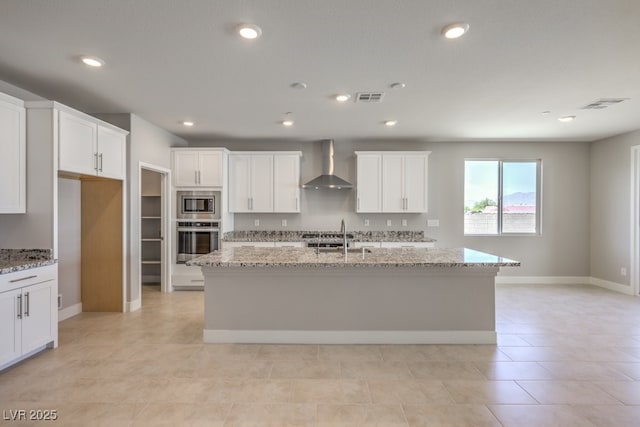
[349, 250]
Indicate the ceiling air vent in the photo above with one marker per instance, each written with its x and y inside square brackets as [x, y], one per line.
[369, 96]
[603, 103]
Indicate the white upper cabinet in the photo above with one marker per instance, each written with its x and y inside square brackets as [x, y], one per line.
[91, 147]
[286, 183]
[198, 168]
[262, 182]
[13, 155]
[392, 181]
[369, 183]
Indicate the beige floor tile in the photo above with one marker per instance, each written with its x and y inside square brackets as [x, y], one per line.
[234, 369]
[229, 351]
[411, 392]
[632, 370]
[330, 391]
[175, 414]
[513, 371]
[611, 416]
[360, 415]
[567, 393]
[625, 391]
[592, 371]
[472, 353]
[445, 370]
[375, 370]
[565, 353]
[411, 353]
[308, 369]
[350, 353]
[539, 416]
[450, 415]
[288, 352]
[511, 340]
[271, 415]
[500, 392]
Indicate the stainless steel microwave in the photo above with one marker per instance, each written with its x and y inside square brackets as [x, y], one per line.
[198, 205]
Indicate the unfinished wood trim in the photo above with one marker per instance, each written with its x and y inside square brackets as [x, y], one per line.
[101, 234]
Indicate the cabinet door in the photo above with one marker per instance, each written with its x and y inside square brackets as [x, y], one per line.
[78, 151]
[13, 158]
[392, 183]
[415, 183]
[239, 186]
[111, 153]
[262, 183]
[10, 339]
[369, 183]
[185, 168]
[37, 329]
[210, 167]
[286, 183]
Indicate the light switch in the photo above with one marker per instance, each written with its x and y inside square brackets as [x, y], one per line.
[388, 223]
[366, 222]
[284, 222]
[256, 222]
[404, 222]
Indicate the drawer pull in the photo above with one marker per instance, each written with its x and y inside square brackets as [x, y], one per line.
[26, 311]
[23, 278]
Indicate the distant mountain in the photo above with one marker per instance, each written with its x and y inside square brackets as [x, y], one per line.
[515, 199]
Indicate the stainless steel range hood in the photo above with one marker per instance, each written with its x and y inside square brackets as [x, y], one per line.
[327, 179]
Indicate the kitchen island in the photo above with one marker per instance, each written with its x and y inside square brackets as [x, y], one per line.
[382, 296]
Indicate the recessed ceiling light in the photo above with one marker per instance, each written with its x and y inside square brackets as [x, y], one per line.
[287, 122]
[92, 61]
[390, 123]
[299, 85]
[398, 85]
[546, 113]
[453, 31]
[249, 31]
[188, 123]
[342, 97]
[566, 119]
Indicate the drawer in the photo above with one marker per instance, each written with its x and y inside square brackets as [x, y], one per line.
[22, 278]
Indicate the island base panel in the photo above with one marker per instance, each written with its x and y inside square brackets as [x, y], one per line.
[350, 305]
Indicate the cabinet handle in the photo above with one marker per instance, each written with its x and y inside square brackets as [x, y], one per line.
[95, 161]
[23, 278]
[199, 177]
[26, 311]
[100, 158]
[297, 204]
[195, 173]
[19, 299]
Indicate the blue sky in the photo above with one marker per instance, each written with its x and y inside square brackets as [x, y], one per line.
[481, 179]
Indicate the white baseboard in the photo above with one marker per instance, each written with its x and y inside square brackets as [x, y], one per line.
[70, 311]
[348, 337]
[134, 305]
[613, 286]
[543, 280]
[564, 280]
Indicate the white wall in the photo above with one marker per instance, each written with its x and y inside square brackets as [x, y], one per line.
[610, 230]
[561, 250]
[69, 241]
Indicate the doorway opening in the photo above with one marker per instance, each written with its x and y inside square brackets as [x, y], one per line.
[635, 220]
[155, 237]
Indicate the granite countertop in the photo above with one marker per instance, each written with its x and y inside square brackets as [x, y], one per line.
[296, 236]
[12, 260]
[307, 257]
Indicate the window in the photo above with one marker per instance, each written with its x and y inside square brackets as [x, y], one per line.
[501, 197]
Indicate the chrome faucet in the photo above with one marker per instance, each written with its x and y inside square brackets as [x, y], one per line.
[343, 230]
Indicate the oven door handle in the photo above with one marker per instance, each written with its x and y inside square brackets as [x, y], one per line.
[190, 230]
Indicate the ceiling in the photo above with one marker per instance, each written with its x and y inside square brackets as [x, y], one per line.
[169, 61]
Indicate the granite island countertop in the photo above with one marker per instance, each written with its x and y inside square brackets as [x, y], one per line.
[296, 236]
[12, 260]
[375, 257]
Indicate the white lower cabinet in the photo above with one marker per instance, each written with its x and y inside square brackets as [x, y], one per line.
[28, 312]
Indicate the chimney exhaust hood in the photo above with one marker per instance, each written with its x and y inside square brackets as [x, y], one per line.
[327, 179]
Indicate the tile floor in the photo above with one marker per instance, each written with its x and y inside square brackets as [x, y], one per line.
[567, 356]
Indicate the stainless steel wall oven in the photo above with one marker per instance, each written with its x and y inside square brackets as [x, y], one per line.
[196, 238]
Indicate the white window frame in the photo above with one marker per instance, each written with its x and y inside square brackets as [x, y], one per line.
[538, 215]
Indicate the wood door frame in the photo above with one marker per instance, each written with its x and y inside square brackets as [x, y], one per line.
[165, 256]
[634, 270]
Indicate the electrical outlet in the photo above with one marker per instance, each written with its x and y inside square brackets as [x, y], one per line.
[404, 222]
[366, 222]
[284, 222]
[623, 271]
[433, 223]
[388, 223]
[256, 222]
